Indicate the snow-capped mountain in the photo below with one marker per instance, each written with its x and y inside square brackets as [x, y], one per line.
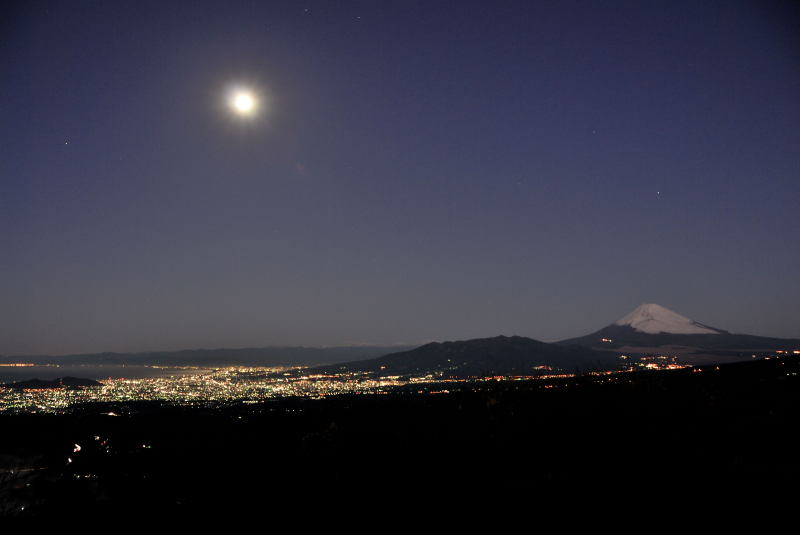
[652, 326]
[654, 319]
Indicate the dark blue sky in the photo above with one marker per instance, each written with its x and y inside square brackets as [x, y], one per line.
[418, 171]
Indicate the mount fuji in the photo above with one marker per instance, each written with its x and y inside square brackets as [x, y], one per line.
[652, 326]
[651, 318]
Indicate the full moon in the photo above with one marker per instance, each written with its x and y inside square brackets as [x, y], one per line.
[243, 102]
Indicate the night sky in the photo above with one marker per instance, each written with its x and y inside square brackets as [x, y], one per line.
[414, 172]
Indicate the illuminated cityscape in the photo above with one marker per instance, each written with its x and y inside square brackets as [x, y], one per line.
[205, 386]
[202, 386]
[224, 385]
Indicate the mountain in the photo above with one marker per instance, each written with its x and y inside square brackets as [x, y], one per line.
[651, 326]
[498, 355]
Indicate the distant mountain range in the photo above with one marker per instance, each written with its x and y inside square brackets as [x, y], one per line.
[262, 356]
[647, 330]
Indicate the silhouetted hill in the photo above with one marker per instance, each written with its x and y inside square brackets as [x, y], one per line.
[498, 355]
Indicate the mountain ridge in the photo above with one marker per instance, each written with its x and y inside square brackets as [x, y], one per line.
[516, 355]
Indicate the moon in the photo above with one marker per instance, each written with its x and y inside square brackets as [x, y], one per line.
[243, 102]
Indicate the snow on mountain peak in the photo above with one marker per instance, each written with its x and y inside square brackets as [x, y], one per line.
[653, 319]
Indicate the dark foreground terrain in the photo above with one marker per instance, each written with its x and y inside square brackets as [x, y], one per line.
[732, 426]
